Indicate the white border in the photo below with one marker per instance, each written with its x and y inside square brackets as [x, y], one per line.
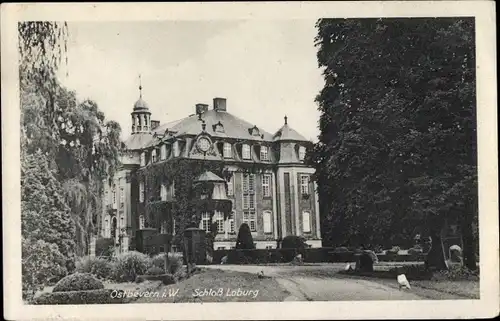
[487, 306]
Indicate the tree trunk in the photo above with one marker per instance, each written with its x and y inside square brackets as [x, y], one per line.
[469, 246]
[435, 260]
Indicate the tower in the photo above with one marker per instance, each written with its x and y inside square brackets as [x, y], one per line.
[141, 116]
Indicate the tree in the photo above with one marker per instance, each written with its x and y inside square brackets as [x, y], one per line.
[244, 240]
[398, 135]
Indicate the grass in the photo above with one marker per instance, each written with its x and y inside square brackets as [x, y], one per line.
[258, 290]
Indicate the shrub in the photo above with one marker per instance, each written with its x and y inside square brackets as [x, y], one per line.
[372, 255]
[394, 250]
[154, 270]
[412, 272]
[293, 242]
[78, 282]
[245, 239]
[167, 279]
[174, 262]
[101, 296]
[129, 265]
[104, 247]
[341, 249]
[456, 273]
[415, 250]
[99, 267]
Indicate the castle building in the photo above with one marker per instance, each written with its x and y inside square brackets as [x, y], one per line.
[278, 201]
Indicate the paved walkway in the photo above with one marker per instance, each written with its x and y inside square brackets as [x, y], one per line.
[303, 287]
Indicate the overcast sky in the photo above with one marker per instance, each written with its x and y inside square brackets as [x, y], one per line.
[265, 69]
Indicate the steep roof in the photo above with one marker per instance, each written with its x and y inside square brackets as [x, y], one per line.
[288, 133]
[209, 177]
[233, 126]
[138, 141]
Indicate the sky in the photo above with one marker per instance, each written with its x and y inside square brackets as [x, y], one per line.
[265, 68]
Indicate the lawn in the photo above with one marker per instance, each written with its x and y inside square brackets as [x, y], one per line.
[221, 286]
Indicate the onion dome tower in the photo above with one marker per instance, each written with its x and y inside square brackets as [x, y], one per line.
[141, 116]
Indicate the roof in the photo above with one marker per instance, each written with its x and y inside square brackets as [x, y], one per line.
[288, 133]
[209, 177]
[138, 140]
[219, 124]
[140, 104]
[233, 126]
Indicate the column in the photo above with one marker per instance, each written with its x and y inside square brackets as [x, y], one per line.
[274, 186]
[318, 227]
[295, 193]
[281, 182]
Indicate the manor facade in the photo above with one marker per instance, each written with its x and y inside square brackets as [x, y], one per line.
[276, 201]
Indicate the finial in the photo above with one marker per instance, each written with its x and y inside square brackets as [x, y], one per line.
[140, 86]
[286, 120]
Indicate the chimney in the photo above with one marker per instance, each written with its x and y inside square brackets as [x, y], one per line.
[201, 109]
[155, 123]
[220, 104]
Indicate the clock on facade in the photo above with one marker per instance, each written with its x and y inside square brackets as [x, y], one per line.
[204, 144]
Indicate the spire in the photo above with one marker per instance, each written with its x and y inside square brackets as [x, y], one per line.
[286, 120]
[140, 86]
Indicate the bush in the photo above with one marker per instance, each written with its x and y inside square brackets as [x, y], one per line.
[129, 265]
[154, 270]
[101, 296]
[105, 247]
[412, 272]
[99, 267]
[415, 251]
[341, 249]
[293, 242]
[395, 250]
[167, 279]
[372, 255]
[245, 239]
[456, 273]
[78, 282]
[174, 262]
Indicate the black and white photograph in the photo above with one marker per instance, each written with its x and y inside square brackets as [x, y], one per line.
[162, 163]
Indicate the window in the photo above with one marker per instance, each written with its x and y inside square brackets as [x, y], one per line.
[306, 222]
[163, 152]
[221, 248]
[228, 153]
[163, 192]
[153, 156]
[230, 187]
[264, 154]
[106, 197]
[231, 223]
[173, 226]
[304, 184]
[141, 222]
[249, 218]
[267, 222]
[245, 151]
[141, 192]
[269, 247]
[266, 185]
[302, 153]
[163, 227]
[172, 189]
[122, 222]
[219, 219]
[175, 148]
[205, 222]
[143, 159]
[114, 194]
[174, 248]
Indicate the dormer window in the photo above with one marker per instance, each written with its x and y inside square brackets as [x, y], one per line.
[218, 128]
[163, 152]
[254, 131]
[302, 153]
[153, 156]
[227, 151]
[143, 159]
[264, 153]
[245, 151]
[175, 148]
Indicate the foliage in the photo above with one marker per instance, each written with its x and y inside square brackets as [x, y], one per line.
[297, 243]
[101, 296]
[397, 143]
[99, 267]
[41, 263]
[186, 209]
[78, 282]
[48, 247]
[174, 262]
[129, 265]
[244, 240]
[456, 273]
[166, 279]
[104, 247]
[154, 270]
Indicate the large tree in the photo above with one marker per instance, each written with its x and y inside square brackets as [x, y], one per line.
[397, 147]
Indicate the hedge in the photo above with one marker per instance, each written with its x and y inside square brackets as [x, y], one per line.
[311, 255]
[78, 282]
[101, 296]
[166, 279]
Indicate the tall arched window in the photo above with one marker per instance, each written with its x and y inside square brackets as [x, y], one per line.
[107, 226]
[306, 222]
[141, 222]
